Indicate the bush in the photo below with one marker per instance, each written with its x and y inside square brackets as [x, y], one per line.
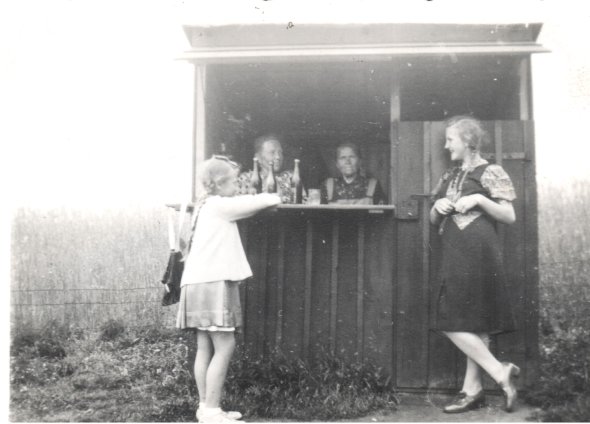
[111, 330]
[46, 342]
[329, 388]
[563, 387]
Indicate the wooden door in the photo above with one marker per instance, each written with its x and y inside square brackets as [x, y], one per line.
[424, 359]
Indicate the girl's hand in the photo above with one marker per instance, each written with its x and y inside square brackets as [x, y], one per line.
[444, 206]
[464, 204]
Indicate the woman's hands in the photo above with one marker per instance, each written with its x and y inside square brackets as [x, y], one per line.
[464, 204]
[444, 206]
[501, 211]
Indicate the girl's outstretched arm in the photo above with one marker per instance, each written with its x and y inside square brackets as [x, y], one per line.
[240, 207]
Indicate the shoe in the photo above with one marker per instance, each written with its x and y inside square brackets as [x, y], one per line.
[232, 415]
[218, 418]
[464, 403]
[509, 389]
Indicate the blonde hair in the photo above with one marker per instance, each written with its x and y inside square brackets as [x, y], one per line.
[470, 131]
[214, 172]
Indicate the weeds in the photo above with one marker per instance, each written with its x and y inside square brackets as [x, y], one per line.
[144, 375]
[326, 389]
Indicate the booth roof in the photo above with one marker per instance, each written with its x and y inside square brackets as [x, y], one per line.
[293, 40]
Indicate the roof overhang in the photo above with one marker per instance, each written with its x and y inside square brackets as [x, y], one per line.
[271, 42]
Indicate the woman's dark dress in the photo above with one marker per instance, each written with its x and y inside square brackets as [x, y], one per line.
[472, 296]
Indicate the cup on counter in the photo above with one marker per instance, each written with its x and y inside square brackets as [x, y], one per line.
[314, 196]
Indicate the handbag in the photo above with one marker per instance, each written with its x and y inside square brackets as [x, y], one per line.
[173, 274]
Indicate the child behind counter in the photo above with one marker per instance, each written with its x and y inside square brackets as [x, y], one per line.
[209, 299]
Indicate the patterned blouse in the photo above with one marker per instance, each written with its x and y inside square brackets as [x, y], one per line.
[283, 185]
[494, 181]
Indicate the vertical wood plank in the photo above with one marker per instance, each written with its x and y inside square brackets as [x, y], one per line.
[425, 220]
[256, 287]
[321, 281]
[334, 283]
[511, 346]
[412, 311]
[347, 285]
[360, 288]
[531, 257]
[524, 92]
[280, 286]
[498, 141]
[395, 117]
[379, 304]
[294, 291]
[307, 294]
[199, 129]
[499, 151]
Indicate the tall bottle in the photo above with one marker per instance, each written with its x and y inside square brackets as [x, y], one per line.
[296, 186]
[270, 183]
[255, 182]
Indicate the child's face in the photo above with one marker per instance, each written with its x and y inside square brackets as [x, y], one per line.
[228, 187]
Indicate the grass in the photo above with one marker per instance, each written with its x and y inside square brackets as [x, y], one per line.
[144, 375]
[563, 389]
[118, 372]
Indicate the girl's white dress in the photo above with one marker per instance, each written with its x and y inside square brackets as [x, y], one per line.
[209, 297]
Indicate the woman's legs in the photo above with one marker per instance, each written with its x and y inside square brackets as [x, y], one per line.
[472, 381]
[202, 361]
[223, 345]
[476, 349]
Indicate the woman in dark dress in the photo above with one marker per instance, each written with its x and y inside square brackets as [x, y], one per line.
[472, 300]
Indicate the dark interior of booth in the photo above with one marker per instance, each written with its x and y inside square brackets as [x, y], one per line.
[314, 106]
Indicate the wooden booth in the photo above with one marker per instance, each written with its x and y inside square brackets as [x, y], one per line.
[360, 281]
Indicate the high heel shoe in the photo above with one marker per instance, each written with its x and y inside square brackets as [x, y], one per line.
[464, 403]
[509, 389]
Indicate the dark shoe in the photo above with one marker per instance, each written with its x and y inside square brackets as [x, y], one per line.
[508, 387]
[464, 403]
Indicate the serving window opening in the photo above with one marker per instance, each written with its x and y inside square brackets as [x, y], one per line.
[312, 107]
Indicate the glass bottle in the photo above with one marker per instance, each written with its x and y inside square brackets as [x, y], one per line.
[296, 186]
[270, 184]
[255, 185]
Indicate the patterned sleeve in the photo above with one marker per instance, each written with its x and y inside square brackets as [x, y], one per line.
[244, 182]
[498, 183]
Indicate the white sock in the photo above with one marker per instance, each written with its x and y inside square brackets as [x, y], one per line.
[202, 406]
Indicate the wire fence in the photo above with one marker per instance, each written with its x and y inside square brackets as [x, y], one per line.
[74, 268]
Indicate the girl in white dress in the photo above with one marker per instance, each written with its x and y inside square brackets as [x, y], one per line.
[209, 299]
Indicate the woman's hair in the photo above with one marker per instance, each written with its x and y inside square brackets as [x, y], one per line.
[349, 145]
[216, 171]
[470, 131]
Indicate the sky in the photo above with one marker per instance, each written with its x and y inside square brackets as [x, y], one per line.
[96, 110]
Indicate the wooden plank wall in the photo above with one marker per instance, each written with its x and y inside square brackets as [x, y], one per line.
[322, 283]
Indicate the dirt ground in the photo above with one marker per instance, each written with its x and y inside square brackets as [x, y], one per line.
[428, 408]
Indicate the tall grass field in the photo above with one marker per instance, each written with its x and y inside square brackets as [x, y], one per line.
[90, 341]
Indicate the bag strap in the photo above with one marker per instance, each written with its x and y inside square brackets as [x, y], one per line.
[171, 233]
[183, 213]
[196, 212]
[330, 188]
